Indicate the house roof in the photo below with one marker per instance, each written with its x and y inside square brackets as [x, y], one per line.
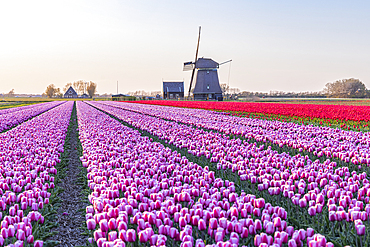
[206, 63]
[70, 91]
[173, 87]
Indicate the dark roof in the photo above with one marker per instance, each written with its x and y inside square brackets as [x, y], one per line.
[70, 92]
[173, 87]
[85, 96]
[207, 82]
[203, 63]
[120, 95]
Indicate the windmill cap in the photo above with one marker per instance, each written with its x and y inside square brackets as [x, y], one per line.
[203, 63]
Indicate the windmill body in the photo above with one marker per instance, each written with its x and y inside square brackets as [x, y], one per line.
[207, 86]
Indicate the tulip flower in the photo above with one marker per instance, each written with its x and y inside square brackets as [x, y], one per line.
[91, 224]
[38, 243]
[360, 229]
[160, 182]
[202, 225]
[30, 239]
[143, 237]
[131, 235]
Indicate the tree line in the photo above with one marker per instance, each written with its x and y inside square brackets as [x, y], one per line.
[345, 88]
[79, 86]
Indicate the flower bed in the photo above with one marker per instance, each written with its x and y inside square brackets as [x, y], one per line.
[318, 187]
[14, 116]
[347, 146]
[343, 112]
[28, 155]
[143, 192]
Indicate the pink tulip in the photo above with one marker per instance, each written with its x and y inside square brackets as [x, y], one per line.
[21, 235]
[103, 224]
[131, 235]
[212, 223]
[91, 224]
[112, 236]
[360, 230]
[38, 243]
[143, 237]
[292, 243]
[30, 239]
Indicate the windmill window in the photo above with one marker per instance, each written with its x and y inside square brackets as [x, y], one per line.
[208, 87]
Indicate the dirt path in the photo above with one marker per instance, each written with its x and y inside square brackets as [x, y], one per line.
[69, 218]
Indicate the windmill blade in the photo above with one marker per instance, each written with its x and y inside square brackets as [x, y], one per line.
[189, 66]
[196, 57]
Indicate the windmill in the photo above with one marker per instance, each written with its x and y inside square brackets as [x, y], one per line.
[207, 85]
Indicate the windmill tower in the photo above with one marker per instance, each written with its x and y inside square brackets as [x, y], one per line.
[207, 85]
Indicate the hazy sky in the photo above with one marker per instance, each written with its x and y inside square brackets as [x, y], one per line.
[275, 45]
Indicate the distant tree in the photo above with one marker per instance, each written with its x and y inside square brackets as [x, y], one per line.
[11, 93]
[58, 93]
[346, 88]
[91, 88]
[79, 86]
[67, 86]
[224, 87]
[51, 91]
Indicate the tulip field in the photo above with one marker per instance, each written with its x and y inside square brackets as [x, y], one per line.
[347, 117]
[157, 175]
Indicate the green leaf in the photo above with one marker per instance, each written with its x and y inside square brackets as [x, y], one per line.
[51, 243]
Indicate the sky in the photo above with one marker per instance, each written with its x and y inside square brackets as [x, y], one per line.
[275, 45]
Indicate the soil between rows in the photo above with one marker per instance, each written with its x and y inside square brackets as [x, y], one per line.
[70, 217]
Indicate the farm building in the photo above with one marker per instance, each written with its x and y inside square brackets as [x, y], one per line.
[85, 96]
[173, 90]
[207, 85]
[70, 93]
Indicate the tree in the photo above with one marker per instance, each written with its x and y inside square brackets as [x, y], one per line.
[346, 88]
[79, 86]
[11, 93]
[51, 91]
[67, 86]
[91, 88]
[224, 88]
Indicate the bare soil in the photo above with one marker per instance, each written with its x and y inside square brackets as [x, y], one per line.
[70, 218]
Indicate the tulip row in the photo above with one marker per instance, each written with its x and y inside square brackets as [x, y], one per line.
[144, 192]
[346, 146]
[306, 119]
[332, 123]
[4, 109]
[14, 116]
[316, 186]
[342, 112]
[28, 156]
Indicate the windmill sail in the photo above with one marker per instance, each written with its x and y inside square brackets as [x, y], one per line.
[195, 60]
[188, 66]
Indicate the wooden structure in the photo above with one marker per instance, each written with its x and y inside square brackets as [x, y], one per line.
[70, 93]
[173, 90]
[207, 85]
